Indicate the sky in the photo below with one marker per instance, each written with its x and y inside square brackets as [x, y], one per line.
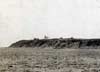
[28, 19]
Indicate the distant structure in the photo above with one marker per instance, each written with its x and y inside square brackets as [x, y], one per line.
[61, 37]
[72, 38]
[46, 37]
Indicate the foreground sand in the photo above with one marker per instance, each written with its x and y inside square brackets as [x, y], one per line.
[49, 60]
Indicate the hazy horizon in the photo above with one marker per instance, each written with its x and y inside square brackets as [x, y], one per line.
[28, 19]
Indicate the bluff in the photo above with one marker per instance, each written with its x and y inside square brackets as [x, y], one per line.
[58, 43]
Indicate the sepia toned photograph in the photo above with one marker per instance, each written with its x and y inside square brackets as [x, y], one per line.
[49, 35]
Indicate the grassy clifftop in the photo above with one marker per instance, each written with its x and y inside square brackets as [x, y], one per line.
[58, 43]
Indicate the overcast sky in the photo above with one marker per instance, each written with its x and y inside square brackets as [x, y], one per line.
[26, 19]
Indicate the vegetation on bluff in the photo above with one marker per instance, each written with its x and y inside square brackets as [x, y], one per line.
[58, 43]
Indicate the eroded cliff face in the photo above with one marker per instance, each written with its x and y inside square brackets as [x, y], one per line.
[59, 43]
